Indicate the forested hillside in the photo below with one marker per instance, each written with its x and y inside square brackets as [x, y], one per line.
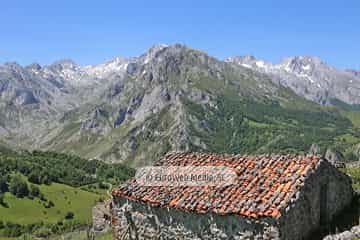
[45, 193]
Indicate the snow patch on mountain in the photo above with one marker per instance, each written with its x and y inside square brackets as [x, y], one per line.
[309, 77]
[118, 65]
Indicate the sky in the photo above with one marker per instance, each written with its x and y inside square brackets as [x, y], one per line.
[91, 32]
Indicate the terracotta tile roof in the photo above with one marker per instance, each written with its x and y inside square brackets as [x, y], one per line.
[265, 185]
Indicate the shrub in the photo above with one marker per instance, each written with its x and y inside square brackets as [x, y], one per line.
[48, 204]
[3, 184]
[34, 178]
[18, 187]
[69, 215]
[34, 190]
[51, 204]
[12, 230]
[102, 185]
[2, 199]
[42, 232]
[351, 156]
[55, 228]
[42, 197]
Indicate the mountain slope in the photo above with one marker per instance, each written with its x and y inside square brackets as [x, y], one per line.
[148, 116]
[170, 98]
[309, 77]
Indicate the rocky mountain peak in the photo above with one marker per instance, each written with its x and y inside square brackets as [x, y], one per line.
[117, 65]
[300, 64]
[309, 77]
[241, 59]
[64, 64]
[14, 70]
[34, 67]
[157, 47]
[249, 61]
[152, 53]
[14, 66]
[356, 73]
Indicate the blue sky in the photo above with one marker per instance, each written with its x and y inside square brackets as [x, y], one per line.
[94, 31]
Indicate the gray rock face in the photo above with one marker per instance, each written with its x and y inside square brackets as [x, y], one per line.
[41, 104]
[20, 87]
[357, 151]
[315, 149]
[354, 72]
[353, 233]
[24, 97]
[120, 117]
[115, 108]
[334, 156]
[96, 121]
[309, 77]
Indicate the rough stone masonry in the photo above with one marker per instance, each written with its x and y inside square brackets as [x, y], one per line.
[274, 197]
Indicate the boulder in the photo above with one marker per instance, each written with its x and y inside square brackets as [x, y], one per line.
[356, 230]
[347, 235]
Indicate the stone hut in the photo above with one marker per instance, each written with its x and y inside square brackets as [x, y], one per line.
[274, 197]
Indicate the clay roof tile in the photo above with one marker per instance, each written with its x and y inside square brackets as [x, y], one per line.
[265, 185]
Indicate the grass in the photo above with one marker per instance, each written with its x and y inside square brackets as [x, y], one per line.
[107, 236]
[65, 198]
[77, 235]
[93, 188]
[354, 117]
[209, 84]
[354, 172]
[348, 138]
[258, 124]
[81, 235]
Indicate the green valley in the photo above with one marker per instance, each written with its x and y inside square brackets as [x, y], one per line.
[44, 194]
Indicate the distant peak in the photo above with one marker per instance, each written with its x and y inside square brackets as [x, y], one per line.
[13, 65]
[313, 60]
[247, 57]
[117, 60]
[152, 52]
[64, 63]
[241, 59]
[34, 66]
[158, 46]
[354, 72]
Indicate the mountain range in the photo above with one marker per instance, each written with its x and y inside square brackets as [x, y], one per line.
[309, 77]
[133, 110]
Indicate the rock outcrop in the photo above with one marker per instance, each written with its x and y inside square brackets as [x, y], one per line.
[315, 149]
[357, 151]
[334, 156]
[353, 233]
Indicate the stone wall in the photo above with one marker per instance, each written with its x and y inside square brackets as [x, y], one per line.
[353, 233]
[165, 223]
[302, 216]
